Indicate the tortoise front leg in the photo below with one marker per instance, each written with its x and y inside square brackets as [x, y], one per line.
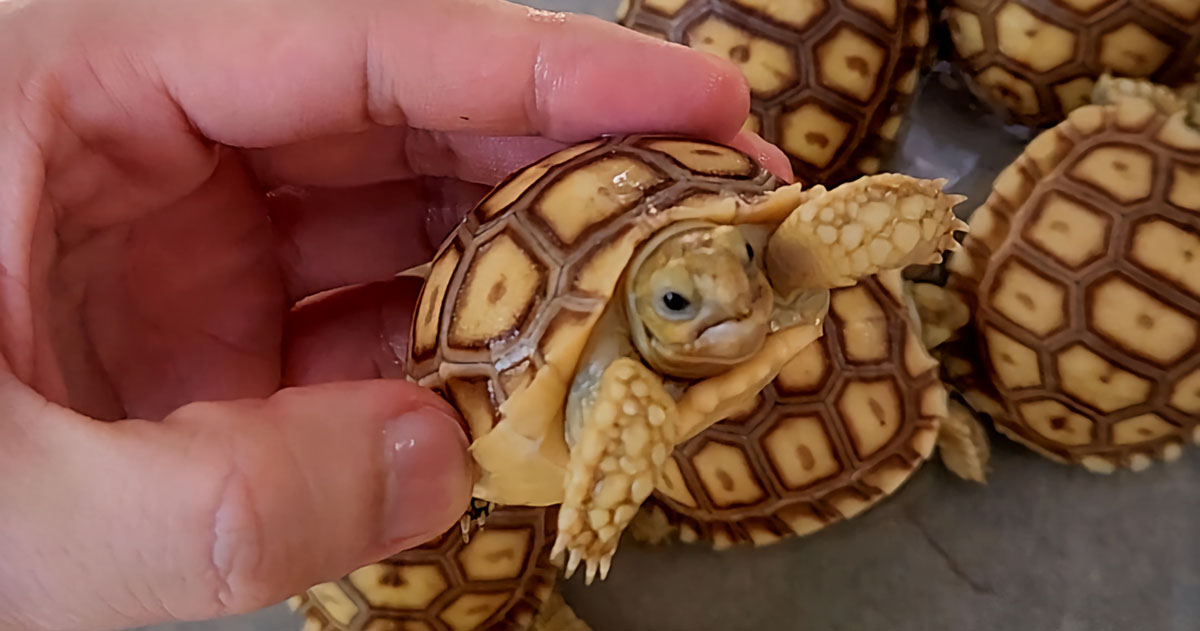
[859, 229]
[626, 431]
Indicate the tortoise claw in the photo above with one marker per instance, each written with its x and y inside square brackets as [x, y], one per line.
[879, 222]
[573, 562]
[627, 433]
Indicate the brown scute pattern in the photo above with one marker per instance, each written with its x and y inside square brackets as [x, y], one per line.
[472, 396]
[703, 159]
[1141, 345]
[1069, 230]
[897, 29]
[1007, 69]
[487, 314]
[516, 220]
[621, 182]
[834, 492]
[513, 186]
[427, 320]
[809, 374]
[512, 600]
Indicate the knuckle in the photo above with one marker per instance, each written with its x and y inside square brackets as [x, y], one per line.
[243, 579]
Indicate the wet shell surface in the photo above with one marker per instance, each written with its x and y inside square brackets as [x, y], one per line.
[830, 80]
[518, 286]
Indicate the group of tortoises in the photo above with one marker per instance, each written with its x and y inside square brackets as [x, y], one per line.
[654, 334]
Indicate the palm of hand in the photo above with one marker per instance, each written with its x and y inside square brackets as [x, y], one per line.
[151, 304]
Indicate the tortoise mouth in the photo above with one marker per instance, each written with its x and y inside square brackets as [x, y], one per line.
[713, 351]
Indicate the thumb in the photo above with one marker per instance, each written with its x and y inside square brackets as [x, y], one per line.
[222, 507]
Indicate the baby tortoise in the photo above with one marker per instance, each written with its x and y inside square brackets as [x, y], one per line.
[830, 81]
[1078, 288]
[552, 315]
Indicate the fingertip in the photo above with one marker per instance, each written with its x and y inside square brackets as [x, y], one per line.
[729, 94]
[769, 156]
[430, 476]
[710, 92]
[623, 81]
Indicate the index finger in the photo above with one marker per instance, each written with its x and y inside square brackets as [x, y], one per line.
[316, 68]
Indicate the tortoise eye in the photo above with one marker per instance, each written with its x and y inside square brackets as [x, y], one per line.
[749, 252]
[675, 302]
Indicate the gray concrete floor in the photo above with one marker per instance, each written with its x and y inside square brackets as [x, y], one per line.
[1041, 547]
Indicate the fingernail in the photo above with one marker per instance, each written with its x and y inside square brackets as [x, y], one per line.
[429, 477]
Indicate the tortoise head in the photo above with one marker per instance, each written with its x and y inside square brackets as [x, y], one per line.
[698, 300]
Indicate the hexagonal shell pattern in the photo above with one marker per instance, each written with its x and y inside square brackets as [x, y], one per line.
[828, 78]
[845, 423]
[1034, 61]
[517, 285]
[494, 582]
[1092, 348]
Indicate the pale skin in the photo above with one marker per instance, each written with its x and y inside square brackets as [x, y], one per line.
[146, 278]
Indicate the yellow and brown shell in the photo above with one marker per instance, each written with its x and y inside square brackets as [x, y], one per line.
[1082, 271]
[844, 425]
[497, 579]
[514, 292]
[1037, 60]
[830, 80]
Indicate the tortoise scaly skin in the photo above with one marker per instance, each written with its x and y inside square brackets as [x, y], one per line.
[1035, 61]
[842, 426]
[530, 321]
[830, 81]
[496, 579]
[1081, 277]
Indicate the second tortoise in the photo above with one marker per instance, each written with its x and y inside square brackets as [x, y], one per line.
[1076, 293]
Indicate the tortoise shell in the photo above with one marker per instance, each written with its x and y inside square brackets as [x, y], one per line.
[1082, 271]
[843, 425]
[830, 80]
[514, 292]
[1036, 60]
[495, 581]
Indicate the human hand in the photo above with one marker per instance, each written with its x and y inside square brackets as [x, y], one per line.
[176, 177]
